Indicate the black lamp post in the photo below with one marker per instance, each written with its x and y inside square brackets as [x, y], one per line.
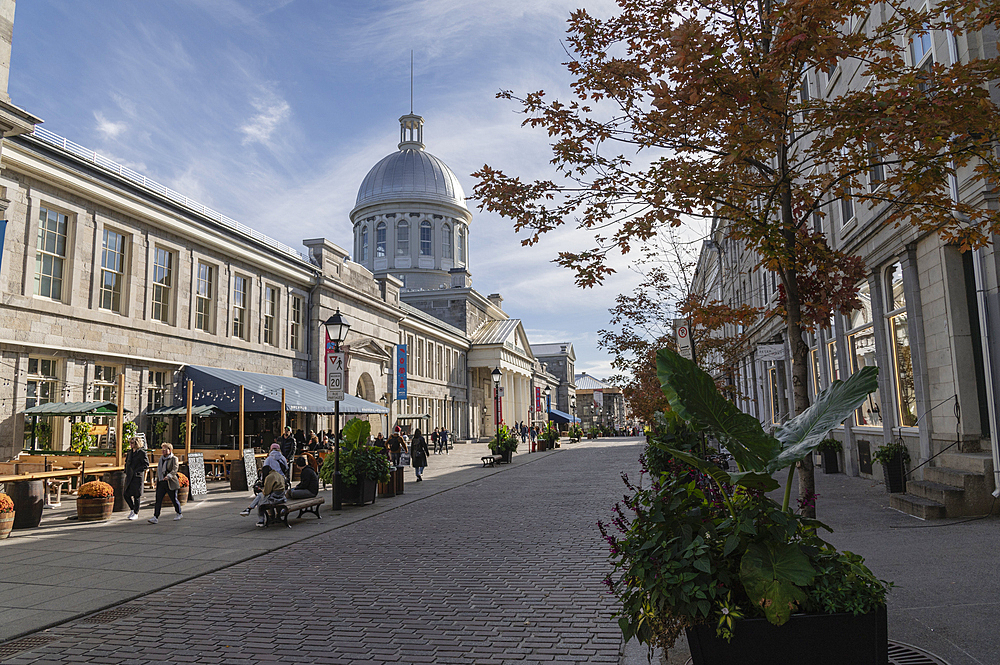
[495, 374]
[336, 329]
[548, 403]
[572, 404]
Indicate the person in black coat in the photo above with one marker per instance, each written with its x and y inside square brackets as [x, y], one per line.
[308, 486]
[418, 454]
[136, 464]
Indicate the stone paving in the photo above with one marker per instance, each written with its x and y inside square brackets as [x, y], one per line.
[502, 567]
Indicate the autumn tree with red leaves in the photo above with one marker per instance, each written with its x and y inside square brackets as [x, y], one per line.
[687, 109]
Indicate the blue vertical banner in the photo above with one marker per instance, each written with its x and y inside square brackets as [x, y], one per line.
[3, 231]
[401, 371]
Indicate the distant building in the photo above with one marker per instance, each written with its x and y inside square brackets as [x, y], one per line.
[559, 360]
[599, 403]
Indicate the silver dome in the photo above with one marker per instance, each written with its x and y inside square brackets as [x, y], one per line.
[411, 175]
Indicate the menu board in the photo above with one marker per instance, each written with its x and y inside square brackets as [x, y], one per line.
[250, 462]
[196, 473]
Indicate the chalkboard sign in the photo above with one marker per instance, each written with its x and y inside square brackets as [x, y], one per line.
[196, 473]
[250, 462]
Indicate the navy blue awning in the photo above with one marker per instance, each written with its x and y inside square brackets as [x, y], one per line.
[262, 393]
[562, 417]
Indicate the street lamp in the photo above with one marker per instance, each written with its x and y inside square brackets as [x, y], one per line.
[336, 331]
[548, 405]
[572, 404]
[496, 375]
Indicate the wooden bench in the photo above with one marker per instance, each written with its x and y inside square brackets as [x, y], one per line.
[491, 460]
[278, 512]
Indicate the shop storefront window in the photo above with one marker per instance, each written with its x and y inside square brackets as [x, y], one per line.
[902, 361]
[861, 346]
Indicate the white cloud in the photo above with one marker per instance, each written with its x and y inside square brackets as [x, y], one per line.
[272, 112]
[107, 128]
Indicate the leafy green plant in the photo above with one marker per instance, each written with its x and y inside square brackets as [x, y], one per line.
[80, 438]
[159, 427]
[884, 455]
[550, 435]
[575, 433]
[129, 430]
[593, 432]
[358, 460]
[830, 445]
[505, 441]
[183, 432]
[702, 544]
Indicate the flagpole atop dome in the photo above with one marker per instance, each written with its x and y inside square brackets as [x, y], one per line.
[411, 81]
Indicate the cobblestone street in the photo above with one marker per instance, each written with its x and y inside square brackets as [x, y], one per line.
[502, 569]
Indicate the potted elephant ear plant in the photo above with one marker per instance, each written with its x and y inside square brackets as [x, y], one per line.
[705, 551]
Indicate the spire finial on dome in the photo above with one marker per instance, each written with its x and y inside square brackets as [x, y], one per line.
[411, 132]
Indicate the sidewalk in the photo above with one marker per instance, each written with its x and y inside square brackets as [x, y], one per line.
[65, 569]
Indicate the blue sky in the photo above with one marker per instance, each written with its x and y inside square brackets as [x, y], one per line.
[272, 111]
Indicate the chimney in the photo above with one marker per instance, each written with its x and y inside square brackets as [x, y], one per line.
[495, 299]
[460, 278]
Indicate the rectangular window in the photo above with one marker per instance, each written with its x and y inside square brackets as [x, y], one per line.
[157, 391]
[105, 383]
[43, 383]
[295, 328]
[204, 298]
[426, 239]
[240, 302]
[403, 238]
[112, 271]
[846, 209]
[814, 358]
[772, 374]
[862, 349]
[831, 354]
[440, 364]
[163, 269]
[380, 240]
[50, 255]
[270, 313]
[906, 396]
[420, 357]
[876, 169]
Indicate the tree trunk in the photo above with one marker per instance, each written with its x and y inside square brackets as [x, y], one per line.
[800, 390]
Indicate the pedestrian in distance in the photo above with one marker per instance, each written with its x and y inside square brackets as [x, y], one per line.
[286, 444]
[167, 483]
[308, 486]
[418, 454]
[444, 440]
[436, 441]
[396, 447]
[136, 464]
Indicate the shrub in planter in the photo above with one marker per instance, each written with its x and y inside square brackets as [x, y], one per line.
[80, 438]
[362, 466]
[893, 457]
[830, 450]
[505, 442]
[549, 437]
[575, 433]
[94, 501]
[6, 515]
[703, 546]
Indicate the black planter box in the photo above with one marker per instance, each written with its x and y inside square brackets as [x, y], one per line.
[894, 473]
[358, 494]
[816, 639]
[831, 461]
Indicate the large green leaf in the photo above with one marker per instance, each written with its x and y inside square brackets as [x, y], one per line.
[803, 433]
[773, 574]
[356, 433]
[693, 396]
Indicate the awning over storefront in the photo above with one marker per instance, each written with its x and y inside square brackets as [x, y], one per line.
[562, 417]
[419, 416]
[74, 409]
[262, 393]
[200, 411]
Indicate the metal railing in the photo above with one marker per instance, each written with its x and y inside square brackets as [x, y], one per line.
[137, 178]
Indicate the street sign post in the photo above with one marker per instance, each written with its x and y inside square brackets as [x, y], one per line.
[335, 377]
[684, 345]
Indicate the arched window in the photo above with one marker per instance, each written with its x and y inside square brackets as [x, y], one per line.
[364, 243]
[403, 238]
[446, 241]
[461, 244]
[380, 241]
[426, 239]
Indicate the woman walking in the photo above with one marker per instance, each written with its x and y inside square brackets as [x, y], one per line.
[136, 464]
[418, 454]
[167, 483]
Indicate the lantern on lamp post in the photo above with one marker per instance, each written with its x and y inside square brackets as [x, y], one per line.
[496, 375]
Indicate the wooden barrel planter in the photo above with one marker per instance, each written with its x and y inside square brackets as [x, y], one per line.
[29, 498]
[183, 494]
[6, 524]
[94, 509]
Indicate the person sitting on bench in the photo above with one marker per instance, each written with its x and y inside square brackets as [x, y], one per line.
[271, 489]
[308, 486]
